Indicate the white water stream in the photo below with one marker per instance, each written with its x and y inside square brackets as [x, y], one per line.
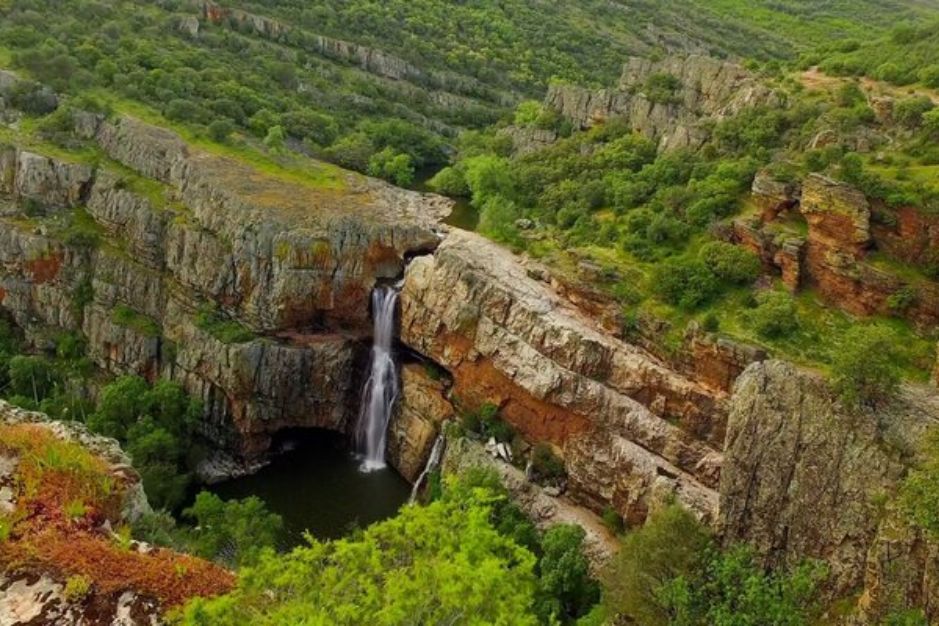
[381, 388]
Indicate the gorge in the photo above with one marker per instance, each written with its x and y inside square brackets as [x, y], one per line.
[678, 327]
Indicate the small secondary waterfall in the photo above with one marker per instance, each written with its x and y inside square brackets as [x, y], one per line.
[381, 388]
[433, 462]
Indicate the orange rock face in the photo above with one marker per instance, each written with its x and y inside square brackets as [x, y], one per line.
[613, 409]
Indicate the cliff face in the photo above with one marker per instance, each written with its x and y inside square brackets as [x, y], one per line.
[802, 478]
[851, 251]
[629, 427]
[202, 244]
[705, 90]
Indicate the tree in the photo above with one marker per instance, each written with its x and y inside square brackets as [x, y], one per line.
[121, 403]
[275, 139]
[221, 129]
[685, 283]
[731, 589]
[864, 366]
[733, 264]
[670, 545]
[439, 564]
[32, 377]
[565, 588]
[234, 532]
[450, 181]
[775, 315]
[392, 166]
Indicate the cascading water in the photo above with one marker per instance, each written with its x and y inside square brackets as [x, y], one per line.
[381, 388]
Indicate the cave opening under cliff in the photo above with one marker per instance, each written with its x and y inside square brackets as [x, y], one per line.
[314, 482]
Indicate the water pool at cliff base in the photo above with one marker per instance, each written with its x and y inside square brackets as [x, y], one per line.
[316, 484]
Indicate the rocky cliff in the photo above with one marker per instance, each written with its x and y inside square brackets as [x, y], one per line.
[700, 91]
[238, 284]
[629, 427]
[805, 478]
[857, 254]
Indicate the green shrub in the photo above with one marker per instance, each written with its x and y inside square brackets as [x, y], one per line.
[901, 300]
[127, 317]
[775, 315]
[613, 520]
[546, 465]
[77, 587]
[864, 366]
[733, 264]
[233, 532]
[672, 544]
[731, 588]
[450, 181]
[919, 492]
[229, 331]
[685, 283]
[566, 590]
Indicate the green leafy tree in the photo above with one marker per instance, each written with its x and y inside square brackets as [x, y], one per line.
[392, 166]
[733, 264]
[731, 589]
[670, 545]
[864, 366]
[685, 283]
[566, 590]
[32, 377]
[775, 315]
[234, 532]
[121, 403]
[275, 139]
[438, 564]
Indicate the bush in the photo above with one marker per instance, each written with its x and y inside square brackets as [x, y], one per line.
[731, 588]
[546, 465]
[731, 264]
[910, 111]
[685, 283]
[565, 588]
[221, 130]
[392, 166]
[775, 315]
[233, 532]
[864, 366]
[919, 493]
[450, 181]
[670, 545]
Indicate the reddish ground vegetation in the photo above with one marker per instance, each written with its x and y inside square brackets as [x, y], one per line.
[64, 496]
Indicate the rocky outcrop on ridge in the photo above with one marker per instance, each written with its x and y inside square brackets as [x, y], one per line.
[707, 90]
[628, 426]
[822, 233]
[57, 571]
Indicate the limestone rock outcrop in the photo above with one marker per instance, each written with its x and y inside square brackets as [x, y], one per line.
[801, 475]
[706, 90]
[422, 409]
[198, 242]
[627, 424]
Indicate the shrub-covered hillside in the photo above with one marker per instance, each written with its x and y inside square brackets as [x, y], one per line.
[413, 75]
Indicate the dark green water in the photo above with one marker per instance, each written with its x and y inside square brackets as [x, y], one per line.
[463, 216]
[317, 486]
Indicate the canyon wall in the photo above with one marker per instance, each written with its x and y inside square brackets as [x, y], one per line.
[251, 290]
[628, 427]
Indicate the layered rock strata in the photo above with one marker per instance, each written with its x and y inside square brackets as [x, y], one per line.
[199, 246]
[627, 425]
[802, 478]
[703, 90]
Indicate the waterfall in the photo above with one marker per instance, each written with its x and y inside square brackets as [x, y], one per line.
[381, 388]
[436, 455]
